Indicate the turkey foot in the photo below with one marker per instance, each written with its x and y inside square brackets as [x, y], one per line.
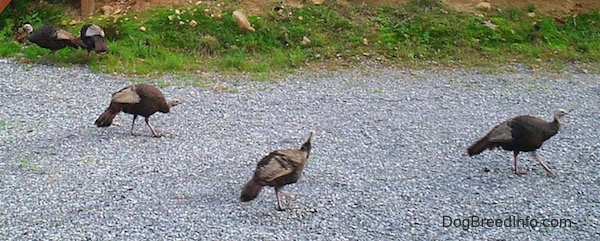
[516, 170]
[519, 172]
[534, 153]
[287, 193]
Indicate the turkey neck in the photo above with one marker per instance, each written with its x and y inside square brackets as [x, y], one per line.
[306, 148]
[551, 129]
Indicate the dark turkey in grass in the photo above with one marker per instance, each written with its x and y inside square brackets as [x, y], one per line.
[141, 99]
[277, 169]
[52, 38]
[520, 134]
[93, 37]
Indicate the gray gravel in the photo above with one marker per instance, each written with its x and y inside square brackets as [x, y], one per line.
[388, 160]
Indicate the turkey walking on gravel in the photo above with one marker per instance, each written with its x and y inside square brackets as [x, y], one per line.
[141, 99]
[520, 134]
[277, 169]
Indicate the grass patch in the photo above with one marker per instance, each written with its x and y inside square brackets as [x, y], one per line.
[25, 163]
[4, 124]
[165, 40]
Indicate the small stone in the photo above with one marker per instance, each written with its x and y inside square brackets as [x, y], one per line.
[484, 6]
[305, 41]
[489, 24]
[106, 10]
[143, 28]
[242, 20]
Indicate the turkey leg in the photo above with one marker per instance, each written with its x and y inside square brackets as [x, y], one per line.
[284, 192]
[279, 207]
[534, 153]
[515, 154]
[133, 125]
[151, 128]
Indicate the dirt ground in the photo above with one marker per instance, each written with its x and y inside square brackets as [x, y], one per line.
[553, 7]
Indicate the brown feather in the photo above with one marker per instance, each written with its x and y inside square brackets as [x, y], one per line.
[126, 96]
[53, 38]
[277, 169]
[93, 30]
[499, 134]
[106, 118]
[93, 36]
[519, 134]
[141, 99]
[62, 34]
[250, 191]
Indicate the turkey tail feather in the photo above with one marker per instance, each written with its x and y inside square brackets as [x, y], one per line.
[76, 43]
[250, 191]
[478, 147]
[100, 44]
[105, 119]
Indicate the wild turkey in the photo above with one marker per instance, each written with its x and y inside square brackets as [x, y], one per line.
[52, 37]
[93, 36]
[277, 169]
[520, 134]
[141, 99]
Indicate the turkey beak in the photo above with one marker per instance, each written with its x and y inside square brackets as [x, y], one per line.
[562, 116]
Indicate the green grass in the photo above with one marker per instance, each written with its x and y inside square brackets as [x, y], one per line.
[420, 32]
[4, 124]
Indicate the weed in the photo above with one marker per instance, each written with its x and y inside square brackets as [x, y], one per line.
[531, 7]
[513, 13]
[23, 161]
[425, 5]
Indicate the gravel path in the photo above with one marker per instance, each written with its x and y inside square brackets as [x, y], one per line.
[388, 160]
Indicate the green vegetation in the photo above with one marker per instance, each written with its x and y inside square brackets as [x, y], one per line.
[3, 124]
[163, 40]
